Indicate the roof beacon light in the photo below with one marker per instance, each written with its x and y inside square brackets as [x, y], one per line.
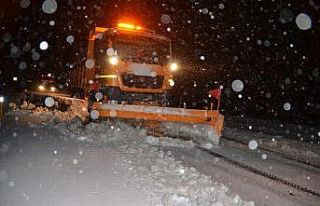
[129, 26]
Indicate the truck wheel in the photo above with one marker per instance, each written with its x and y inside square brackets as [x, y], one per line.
[114, 94]
[165, 101]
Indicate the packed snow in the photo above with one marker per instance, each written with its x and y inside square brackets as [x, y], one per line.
[139, 162]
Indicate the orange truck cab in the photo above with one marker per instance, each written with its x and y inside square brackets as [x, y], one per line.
[130, 64]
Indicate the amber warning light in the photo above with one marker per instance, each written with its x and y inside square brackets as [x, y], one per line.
[128, 26]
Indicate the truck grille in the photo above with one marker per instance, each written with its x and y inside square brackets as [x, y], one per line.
[132, 80]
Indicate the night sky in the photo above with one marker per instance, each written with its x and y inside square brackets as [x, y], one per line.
[258, 42]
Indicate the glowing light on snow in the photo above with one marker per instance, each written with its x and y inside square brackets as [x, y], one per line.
[49, 101]
[110, 52]
[49, 6]
[287, 106]
[98, 96]
[44, 45]
[253, 144]
[303, 21]
[89, 64]
[165, 19]
[55, 152]
[24, 4]
[264, 156]
[94, 114]
[70, 39]
[237, 85]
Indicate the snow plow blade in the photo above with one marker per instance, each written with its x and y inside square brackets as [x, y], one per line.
[202, 126]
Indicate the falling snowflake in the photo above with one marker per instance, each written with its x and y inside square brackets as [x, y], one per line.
[237, 85]
[49, 6]
[94, 114]
[110, 52]
[70, 39]
[25, 3]
[253, 144]
[44, 45]
[49, 101]
[165, 19]
[98, 96]
[264, 156]
[287, 106]
[89, 63]
[75, 161]
[303, 21]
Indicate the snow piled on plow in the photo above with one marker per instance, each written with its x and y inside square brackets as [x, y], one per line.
[29, 113]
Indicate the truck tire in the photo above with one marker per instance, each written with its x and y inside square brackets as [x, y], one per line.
[114, 94]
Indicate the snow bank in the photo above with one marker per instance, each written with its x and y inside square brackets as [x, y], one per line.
[29, 113]
[172, 182]
[152, 169]
[168, 142]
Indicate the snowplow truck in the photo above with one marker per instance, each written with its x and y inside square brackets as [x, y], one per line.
[128, 73]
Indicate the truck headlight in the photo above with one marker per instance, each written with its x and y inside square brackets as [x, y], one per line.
[41, 88]
[173, 67]
[171, 82]
[113, 60]
[53, 89]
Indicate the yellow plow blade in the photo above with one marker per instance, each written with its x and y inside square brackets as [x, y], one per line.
[203, 126]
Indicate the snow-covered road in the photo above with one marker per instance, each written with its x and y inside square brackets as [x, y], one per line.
[104, 164]
[40, 168]
[112, 163]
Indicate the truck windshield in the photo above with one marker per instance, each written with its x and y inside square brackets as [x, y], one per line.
[131, 48]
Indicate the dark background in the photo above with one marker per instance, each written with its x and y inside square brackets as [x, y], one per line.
[245, 40]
